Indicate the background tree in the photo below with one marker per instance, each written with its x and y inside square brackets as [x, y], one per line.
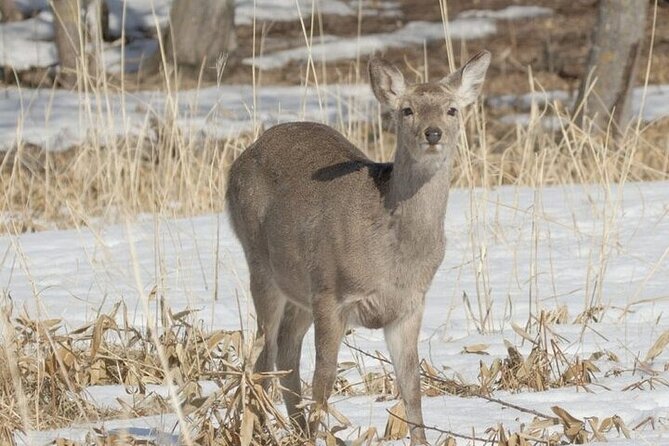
[78, 35]
[606, 88]
[9, 11]
[199, 34]
[69, 39]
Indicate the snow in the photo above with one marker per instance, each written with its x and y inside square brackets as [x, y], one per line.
[29, 43]
[545, 248]
[413, 33]
[651, 104]
[58, 119]
[468, 25]
[287, 10]
[513, 12]
[654, 99]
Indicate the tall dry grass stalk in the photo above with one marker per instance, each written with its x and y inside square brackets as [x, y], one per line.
[162, 169]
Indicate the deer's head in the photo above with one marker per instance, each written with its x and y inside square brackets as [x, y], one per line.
[426, 114]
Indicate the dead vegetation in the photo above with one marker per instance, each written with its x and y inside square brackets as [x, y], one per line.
[45, 370]
[162, 171]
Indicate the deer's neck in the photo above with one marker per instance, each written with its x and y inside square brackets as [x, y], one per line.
[416, 199]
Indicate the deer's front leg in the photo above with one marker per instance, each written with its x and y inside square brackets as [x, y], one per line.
[402, 339]
[329, 327]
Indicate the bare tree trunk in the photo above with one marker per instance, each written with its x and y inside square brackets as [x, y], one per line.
[69, 40]
[9, 11]
[612, 63]
[79, 37]
[97, 21]
[201, 33]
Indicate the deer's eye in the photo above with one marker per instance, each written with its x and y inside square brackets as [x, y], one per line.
[452, 111]
[407, 111]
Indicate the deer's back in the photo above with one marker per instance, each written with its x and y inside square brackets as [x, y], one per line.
[301, 197]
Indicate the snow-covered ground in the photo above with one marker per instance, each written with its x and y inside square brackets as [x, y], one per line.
[29, 43]
[649, 103]
[58, 119]
[530, 250]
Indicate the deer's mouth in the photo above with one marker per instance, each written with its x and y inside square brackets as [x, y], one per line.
[432, 148]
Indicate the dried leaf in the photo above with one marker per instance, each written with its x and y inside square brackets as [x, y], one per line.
[103, 323]
[330, 439]
[246, 430]
[565, 416]
[479, 349]
[658, 347]
[574, 428]
[338, 416]
[606, 424]
[594, 425]
[522, 333]
[366, 438]
[620, 426]
[396, 427]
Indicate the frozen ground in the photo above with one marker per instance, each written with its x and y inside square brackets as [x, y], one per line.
[473, 24]
[577, 246]
[29, 43]
[650, 104]
[58, 119]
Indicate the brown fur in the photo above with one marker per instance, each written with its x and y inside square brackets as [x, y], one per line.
[336, 238]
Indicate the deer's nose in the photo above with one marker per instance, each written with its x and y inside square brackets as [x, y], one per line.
[433, 135]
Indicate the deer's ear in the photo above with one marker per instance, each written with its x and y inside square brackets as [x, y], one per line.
[387, 82]
[468, 80]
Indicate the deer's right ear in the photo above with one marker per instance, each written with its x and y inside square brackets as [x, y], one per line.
[387, 82]
[468, 80]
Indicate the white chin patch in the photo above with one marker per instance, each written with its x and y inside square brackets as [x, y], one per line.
[431, 148]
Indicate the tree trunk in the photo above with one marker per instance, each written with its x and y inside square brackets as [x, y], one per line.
[69, 40]
[612, 64]
[9, 11]
[97, 21]
[201, 33]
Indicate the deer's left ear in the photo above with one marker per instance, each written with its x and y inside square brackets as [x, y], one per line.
[468, 80]
[387, 82]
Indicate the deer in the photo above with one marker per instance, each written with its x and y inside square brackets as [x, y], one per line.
[335, 239]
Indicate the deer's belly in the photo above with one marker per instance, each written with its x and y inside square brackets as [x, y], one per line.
[375, 310]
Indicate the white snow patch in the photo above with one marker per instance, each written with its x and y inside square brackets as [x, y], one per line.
[287, 10]
[544, 246]
[649, 103]
[58, 119]
[29, 43]
[111, 396]
[412, 33]
[512, 12]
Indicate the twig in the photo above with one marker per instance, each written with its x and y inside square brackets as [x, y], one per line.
[518, 408]
[436, 378]
[436, 429]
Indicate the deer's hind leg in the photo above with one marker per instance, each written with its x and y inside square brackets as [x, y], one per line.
[294, 325]
[269, 303]
[330, 327]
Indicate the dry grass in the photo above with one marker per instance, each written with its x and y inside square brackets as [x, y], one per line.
[163, 171]
[45, 369]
